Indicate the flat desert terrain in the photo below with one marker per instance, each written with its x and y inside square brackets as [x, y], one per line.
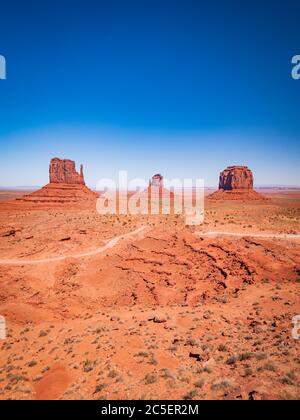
[145, 307]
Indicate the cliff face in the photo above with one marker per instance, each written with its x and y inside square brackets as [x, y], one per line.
[236, 178]
[63, 171]
[66, 186]
[236, 183]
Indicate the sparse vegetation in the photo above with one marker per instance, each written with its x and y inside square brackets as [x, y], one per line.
[166, 313]
[150, 378]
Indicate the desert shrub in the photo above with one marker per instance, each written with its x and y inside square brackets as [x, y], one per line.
[285, 380]
[222, 347]
[245, 356]
[270, 366]
[150, 378]
[199, 383]
[190, 395]
[99, 388]
[232, 360]
[88, 365]
[32, 363]
[221, 385]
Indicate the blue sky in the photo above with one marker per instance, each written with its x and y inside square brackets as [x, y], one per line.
[178, 87]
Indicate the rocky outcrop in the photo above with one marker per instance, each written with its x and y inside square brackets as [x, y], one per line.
[157, 181]
[236, 183]
[236, 178]
[55, 193]
[236, 195]
[63, 171]
[66, 186]
[156, 198]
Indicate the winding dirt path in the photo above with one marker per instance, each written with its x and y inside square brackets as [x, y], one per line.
[110, 244]
[252, 235]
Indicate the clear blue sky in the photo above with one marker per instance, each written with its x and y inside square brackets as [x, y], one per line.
[178, 87]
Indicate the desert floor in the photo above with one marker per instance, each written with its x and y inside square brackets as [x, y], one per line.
[144, 307]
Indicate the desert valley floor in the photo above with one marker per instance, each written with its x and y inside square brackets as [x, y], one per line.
[144, 307]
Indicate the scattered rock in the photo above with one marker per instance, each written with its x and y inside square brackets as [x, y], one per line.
[196, 354]
[67, 238]
[158, 319]
[10, 232]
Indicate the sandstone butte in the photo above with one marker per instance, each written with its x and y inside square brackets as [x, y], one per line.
[156, 189]
[157, 181]
[64, 172]
[156, 196]
[66, 185]
[236, 183]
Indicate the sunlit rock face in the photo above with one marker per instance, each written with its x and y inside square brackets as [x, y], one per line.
[66, 186]
[236, 178]
[236, 183]
[63, 171]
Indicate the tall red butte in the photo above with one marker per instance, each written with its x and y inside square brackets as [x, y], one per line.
[66, 185]
[63, 171]
[236, 183]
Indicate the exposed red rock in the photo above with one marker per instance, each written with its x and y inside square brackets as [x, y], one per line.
[66, 185]
[238, 195]
[159, 197]
[236, 178]
[63, 171]
[139, 307]
[61, 193]
[236, 183]
[157, 181]
[165, 313]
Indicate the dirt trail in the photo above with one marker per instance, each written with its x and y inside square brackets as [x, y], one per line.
[110, 244]
[252, 235]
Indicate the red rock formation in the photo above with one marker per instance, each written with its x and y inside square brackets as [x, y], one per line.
[64, 172]
[66, 185]
[157, 181]
[159, 197]
[236, 183]
[236, 178]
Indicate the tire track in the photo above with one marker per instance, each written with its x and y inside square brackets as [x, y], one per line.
[110, 244]
[250, 235]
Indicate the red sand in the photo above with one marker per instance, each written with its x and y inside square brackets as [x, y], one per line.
[166, 312]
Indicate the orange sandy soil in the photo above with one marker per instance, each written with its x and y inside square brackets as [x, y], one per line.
[10, 195]
[165, 313]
